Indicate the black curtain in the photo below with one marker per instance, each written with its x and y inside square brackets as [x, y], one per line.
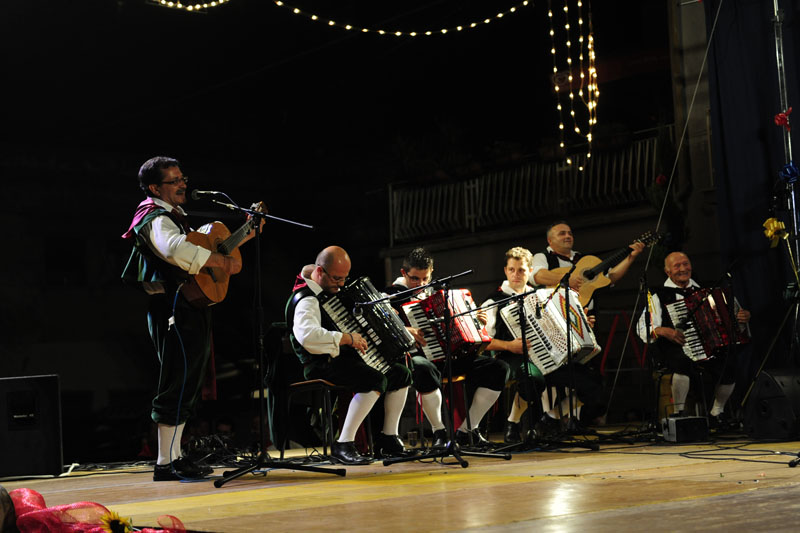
[748, 153]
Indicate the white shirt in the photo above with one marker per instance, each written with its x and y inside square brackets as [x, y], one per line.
[656, 318]
[307, 327]
[165, 239]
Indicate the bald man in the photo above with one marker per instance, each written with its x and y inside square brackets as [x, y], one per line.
[669, 340]
[332, 355]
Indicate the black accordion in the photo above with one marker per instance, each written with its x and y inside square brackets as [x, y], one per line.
[350, 310]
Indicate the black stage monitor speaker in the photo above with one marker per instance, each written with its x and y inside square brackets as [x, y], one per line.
[773, 408]
[30, 426]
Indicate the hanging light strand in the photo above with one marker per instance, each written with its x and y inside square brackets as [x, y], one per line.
[571, 59]
[196, 7]
[403, 33]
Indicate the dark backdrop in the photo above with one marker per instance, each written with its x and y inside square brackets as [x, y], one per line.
[748, 154]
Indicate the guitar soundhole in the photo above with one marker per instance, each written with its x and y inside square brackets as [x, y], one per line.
[210, 272]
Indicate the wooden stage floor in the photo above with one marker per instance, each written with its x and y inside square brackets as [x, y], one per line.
[729, 485]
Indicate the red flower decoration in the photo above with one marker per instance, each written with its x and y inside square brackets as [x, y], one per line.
[782, 119]
[661, 179]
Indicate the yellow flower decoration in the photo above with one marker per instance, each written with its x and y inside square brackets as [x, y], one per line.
[775, 230]
[114, 523]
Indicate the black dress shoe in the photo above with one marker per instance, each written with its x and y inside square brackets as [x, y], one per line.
[388, 445]
[548, 426]
[439, 439]
[346, 453]
[181, 468]
[512, 434]
[478, 441]
[462, 438]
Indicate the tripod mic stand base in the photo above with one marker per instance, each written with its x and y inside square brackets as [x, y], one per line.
[452, 449]
[263, 461]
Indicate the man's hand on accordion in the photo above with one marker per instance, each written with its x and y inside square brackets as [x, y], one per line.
[672, 335]
[743, 316]
[591, 318]
[417, 334]
[355, 340]
[497, 345]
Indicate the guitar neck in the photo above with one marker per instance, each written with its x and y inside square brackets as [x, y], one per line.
[236, 238]
[608, 263]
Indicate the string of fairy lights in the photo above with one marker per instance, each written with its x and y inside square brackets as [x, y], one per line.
[197, 7]
[404, 33]
[202, 7]
[564, 71]
[575, 87]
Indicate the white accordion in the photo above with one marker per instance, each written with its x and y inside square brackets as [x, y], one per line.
[546, 334]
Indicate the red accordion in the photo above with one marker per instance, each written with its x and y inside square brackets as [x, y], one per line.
[709, 328]
[468, 337]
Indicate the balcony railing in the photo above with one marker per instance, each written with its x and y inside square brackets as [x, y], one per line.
[527, 193]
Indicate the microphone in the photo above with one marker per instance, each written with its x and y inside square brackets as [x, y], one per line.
[357, 310]
[196, 195]
[538, 309]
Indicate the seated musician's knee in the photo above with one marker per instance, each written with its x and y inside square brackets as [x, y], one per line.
[398, 377]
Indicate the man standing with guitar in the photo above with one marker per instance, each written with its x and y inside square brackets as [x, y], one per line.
[162, 263]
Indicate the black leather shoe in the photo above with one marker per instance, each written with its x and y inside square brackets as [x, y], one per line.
[183, 469]
[548, 426]
[512, 434]
[388, 445]
[478, 441]
[346, 453]
[462, 438]
[439, 439]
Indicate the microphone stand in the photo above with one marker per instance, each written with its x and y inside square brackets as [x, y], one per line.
[263, 460]
[452, 448]
[655, 422]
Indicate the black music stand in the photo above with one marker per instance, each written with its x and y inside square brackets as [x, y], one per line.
[452, 449]
[263, 460]
[573, 429]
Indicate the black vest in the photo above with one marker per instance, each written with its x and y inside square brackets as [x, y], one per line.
[552, 259]
[501, 330]
[304, 292]
[669, 295]
[144, 266]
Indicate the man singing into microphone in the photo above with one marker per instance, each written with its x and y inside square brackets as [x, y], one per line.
[161, 262]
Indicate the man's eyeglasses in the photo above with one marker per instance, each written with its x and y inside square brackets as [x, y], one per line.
[183, 179]
[337, 279]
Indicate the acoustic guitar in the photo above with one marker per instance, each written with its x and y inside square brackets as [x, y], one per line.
[592, 268]
[210, 285]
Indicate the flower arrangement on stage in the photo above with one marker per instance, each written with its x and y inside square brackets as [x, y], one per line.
[31, 515]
